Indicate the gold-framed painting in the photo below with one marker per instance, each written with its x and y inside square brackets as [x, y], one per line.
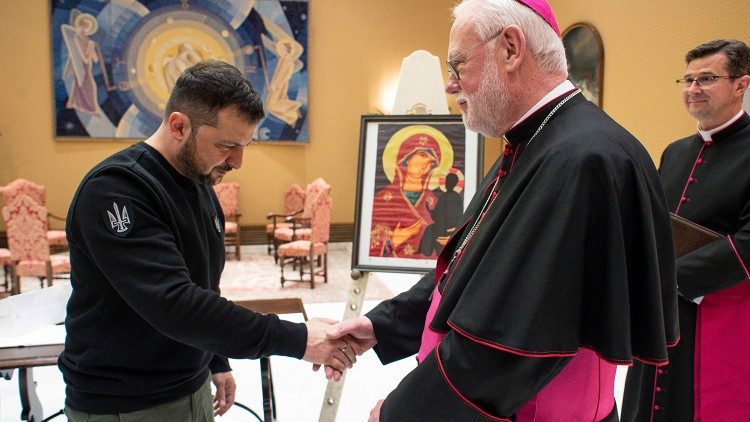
[585, 54]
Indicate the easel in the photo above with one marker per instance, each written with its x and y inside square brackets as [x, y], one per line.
[420, 91]
[353, 309]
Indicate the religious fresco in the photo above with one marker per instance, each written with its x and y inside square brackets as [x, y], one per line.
[115, 62]
[416, 175]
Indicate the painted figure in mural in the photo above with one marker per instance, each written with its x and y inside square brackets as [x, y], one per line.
[83, 52]
[288, 52]
[445, 216]
[186, 56]
[401, 210]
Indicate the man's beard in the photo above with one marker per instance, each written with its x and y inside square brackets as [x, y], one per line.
[188, 161]
[487, 106]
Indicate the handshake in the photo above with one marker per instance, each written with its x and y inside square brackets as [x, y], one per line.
[337, 345]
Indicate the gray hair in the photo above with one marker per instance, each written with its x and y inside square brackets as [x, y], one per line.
[489, 16]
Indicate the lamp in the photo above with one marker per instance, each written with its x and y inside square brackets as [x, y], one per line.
[420, 86]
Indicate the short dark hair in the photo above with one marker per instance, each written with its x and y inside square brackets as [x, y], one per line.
[736, 51]
[209, 86]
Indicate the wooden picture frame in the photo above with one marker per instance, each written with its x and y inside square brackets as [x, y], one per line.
[585, 54]
[416, 175]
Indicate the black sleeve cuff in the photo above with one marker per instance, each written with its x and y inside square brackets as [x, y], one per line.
[291, 339]
[219, 364]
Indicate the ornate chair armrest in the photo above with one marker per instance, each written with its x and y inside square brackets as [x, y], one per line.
[299, 222]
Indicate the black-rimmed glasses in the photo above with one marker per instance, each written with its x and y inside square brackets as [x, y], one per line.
[703, 80]
[453, 63]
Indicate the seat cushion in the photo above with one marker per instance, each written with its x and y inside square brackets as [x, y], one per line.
[230, 227]
[60, 264]
[56, 237]
[270, 226]
[4, 256]
[286, 234]
[301, 248]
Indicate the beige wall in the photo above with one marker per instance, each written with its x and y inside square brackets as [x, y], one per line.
[644, 48]
[356, 47]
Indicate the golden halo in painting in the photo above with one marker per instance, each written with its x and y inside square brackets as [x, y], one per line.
[394, 144]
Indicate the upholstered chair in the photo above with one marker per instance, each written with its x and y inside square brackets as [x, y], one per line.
[303, 254]
[38, 193]
[299, 228]
[294, 202]
[26, 226]
[229, 196]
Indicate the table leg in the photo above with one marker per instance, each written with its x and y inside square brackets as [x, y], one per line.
[31, 407]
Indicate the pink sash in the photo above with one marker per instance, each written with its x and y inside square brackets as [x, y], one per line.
[722, 355]
[430, 338]
[584, 390]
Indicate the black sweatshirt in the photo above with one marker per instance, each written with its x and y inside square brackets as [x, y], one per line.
[145, 322]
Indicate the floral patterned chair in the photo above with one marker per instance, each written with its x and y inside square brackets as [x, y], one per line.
[38, 193]
[294, 202]
[304, 253]
[229, 198]
[299, 225]
[26, 225]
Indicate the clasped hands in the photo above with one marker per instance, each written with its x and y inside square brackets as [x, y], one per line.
[337, 345]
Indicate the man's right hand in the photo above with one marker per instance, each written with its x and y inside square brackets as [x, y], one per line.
[337, 353]
[360, 335]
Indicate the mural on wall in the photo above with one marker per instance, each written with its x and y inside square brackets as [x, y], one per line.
[115, 62]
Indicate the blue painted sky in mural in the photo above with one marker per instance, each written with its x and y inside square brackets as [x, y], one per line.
[114, 63]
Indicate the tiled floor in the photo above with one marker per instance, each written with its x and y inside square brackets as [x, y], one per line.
[299, 391]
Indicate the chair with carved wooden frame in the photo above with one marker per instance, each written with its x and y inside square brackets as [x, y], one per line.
[303, 254]
[37, 192]
[294, 203]
[229, 198]
[26, 226]
[299, 228]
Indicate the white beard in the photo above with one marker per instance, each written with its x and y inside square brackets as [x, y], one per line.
[485, 108]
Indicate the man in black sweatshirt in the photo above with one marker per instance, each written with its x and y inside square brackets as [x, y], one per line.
[147, 330]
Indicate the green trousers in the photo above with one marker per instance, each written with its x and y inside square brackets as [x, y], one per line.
[196, 407]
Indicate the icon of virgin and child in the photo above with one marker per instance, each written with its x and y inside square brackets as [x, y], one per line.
[414, 215]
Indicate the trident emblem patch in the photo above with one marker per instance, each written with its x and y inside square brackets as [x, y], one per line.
[117, 217]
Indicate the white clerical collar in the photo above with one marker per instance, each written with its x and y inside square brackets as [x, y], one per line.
[561, 89]
[706, 134]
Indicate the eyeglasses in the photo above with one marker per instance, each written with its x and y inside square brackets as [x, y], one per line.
[453, 63]
[703, 81]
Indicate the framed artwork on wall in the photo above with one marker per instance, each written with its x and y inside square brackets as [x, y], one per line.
[416, 175]
[585, 54]
[115, 62]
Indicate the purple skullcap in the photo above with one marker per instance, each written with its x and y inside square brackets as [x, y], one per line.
[543, 9]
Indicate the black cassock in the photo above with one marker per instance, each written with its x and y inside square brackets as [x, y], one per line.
[708, 183]
[575, 252]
